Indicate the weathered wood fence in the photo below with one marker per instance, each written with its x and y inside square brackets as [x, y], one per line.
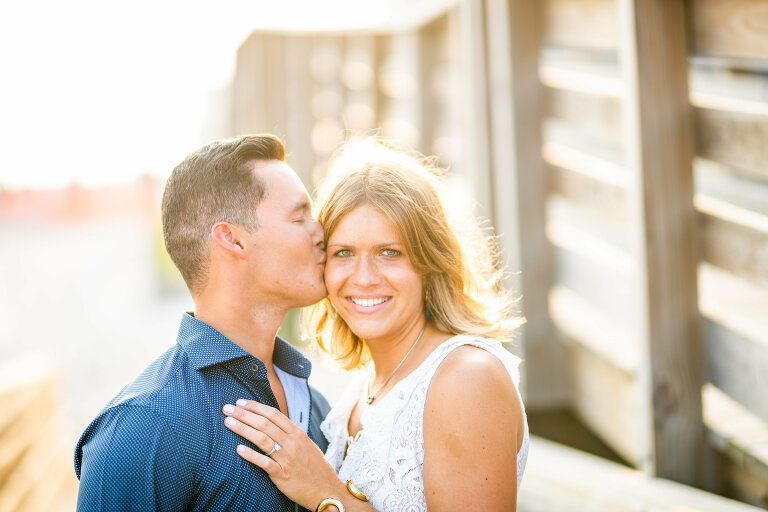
[621, 148]
[35, 458]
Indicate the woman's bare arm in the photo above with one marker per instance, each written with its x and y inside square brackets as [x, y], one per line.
[473, 427]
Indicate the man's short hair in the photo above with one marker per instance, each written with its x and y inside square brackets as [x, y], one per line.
[215, 183]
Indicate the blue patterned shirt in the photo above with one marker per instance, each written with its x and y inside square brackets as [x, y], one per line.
[161, 443]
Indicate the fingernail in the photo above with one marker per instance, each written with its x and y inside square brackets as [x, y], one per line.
[230, 421]
[241, 403]
[229, 409]
[240, 448]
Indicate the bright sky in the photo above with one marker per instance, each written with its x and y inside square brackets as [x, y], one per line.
[98, 92]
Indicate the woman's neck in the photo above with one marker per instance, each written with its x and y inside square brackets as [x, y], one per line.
[387, 354]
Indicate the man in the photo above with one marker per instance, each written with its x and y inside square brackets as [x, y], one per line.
[237, 223]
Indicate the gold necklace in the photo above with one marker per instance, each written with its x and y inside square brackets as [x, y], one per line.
[371, 397]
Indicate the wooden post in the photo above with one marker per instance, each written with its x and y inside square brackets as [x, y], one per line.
[520, 188]
[659, 154]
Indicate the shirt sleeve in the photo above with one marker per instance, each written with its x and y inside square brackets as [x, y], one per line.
[132, 461]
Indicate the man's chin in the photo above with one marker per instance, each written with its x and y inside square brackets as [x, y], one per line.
[315, 298]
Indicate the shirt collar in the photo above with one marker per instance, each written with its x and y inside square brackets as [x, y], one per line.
[206, 346]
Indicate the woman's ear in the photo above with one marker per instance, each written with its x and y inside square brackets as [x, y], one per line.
[230, 238]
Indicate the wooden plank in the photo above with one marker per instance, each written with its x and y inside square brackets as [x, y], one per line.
[24, 432]
[737, 432]
[733, 302]
[478, 181]
[399, 80]
[14, 401]
[520, 187]
[660, 153]
[327, 100]
[581, 23]
[562, 479]
[719, 182]
[596, 116]
[736, 333]
[729, 28]
[606, 398]
[593, 329]
[612, 234]
[586, 172]
[429, 40]
[743, 484]
[248, 92]
[55, 486]
[735, 239]
[298, 109]
[736, 139]
[599, 197]
[359, 79]
[595, 270]
[580, 71]
[738, 365]
[274, 80]
[565, 146]
[742, 439]
[29, 470]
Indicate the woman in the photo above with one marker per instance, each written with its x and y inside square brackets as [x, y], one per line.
[436, 422]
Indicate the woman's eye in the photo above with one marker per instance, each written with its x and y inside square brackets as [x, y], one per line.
[342, 253]
[390, 252]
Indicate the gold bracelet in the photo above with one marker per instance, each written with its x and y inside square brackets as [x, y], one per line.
[327, 502]
[354, 491]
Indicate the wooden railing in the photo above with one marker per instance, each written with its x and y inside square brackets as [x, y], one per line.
[621, 148]
[36, 472]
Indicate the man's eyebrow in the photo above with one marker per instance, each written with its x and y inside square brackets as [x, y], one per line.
[299, 206]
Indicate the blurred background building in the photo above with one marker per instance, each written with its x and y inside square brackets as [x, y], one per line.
[619, 147]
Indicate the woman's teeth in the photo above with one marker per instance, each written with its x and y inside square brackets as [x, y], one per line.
[368, 302]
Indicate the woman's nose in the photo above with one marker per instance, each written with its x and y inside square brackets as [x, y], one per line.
[366, 273]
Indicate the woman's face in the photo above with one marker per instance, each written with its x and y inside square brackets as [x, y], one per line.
[370, 279]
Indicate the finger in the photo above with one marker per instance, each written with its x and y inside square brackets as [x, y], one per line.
[268, 464]
[272, 414]
[255, 421]
[262, 441]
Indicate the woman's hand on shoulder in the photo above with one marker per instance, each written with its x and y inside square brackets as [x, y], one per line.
[295, 464]
[473, 428]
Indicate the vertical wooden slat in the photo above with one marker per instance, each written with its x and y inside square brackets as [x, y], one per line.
[247, 114]
[379, 55]
[520, 188]
[659, 152]
[477, 171]
[298, 120]
[427, 61]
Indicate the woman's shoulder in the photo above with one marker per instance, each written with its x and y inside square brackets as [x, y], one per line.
[475, 353]
[473, 368]
[471, 363]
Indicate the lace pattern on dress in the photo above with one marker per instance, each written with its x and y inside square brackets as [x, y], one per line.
[386, 458]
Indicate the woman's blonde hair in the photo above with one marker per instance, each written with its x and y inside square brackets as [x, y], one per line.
[461, 276]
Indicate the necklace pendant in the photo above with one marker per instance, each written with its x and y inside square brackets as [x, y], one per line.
[369, 399]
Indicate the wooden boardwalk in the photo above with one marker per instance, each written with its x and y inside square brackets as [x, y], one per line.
[561, 479]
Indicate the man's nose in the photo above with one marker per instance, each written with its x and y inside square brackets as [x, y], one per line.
[318, 236]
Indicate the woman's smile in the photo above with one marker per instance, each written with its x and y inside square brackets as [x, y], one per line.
[369, 304]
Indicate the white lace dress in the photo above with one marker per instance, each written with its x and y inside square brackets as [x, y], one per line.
[386, 458]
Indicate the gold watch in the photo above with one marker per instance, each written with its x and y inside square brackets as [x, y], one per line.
[327, 502]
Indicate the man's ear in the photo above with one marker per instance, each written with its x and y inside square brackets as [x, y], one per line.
[230, 238]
